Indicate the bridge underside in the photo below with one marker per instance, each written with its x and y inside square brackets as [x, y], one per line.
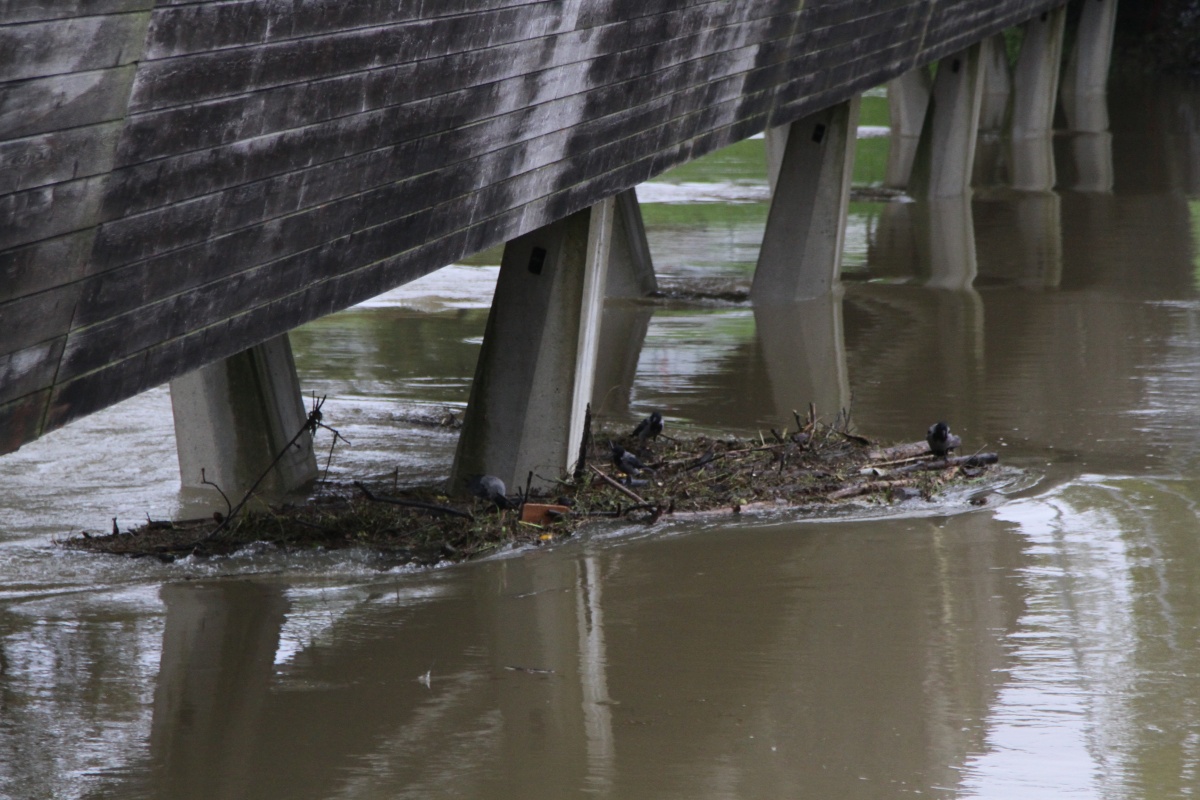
[181, 182]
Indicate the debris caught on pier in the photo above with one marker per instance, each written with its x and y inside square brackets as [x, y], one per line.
[808, 466]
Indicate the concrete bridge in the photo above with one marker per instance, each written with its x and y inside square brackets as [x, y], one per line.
[182, 183]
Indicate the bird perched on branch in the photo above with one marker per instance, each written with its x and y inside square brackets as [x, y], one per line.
[490, 488]
[627, 462]
[941, 440]
[650, 427]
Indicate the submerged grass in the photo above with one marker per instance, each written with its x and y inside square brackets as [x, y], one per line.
[815, 466]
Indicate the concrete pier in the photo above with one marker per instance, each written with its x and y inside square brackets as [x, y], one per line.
[1084, 97]
[630, 267]
[946, 154]
[535, 370]
[233, 417]
[908, 99]
[1085, 79]
[801, 251]
[1035, 96]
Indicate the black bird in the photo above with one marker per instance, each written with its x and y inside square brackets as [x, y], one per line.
[650, 427]
[490, 488]
[626, 461]
[941, 440]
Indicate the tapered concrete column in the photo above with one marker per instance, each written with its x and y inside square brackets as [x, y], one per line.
[946, 154]
[232, 419]
[1085, 81]
[1035, 95]
[535, 370]
[997, 87]
[990, 149]
[630, 268]
[801, 252]
[908, 99]
[1085, 97]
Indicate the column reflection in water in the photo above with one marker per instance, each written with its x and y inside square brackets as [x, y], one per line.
[804, 353]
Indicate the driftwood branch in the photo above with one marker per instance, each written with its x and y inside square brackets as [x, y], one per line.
[632, 495]
[411, 503]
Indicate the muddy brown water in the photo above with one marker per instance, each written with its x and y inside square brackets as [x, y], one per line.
[1044, 645]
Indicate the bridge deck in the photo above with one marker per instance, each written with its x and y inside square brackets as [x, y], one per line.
[182, 180]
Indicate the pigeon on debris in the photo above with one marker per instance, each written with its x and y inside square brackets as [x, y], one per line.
[490, 488]
[650, 427]
[627, 462]
[941, 440]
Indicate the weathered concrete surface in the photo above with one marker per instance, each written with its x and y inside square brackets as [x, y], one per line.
[536, 367]
[801, 251]
[233, 417]
[181, 181]
[945, 157]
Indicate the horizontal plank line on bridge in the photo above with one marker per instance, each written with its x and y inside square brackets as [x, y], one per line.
[41, 49]
[389, 200]
[356, 175]
[174, 82]
[206, 27]
[12, 11]
[139, 328]
[44, 105]
[296, 106]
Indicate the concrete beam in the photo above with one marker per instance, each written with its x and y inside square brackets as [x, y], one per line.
[908, 100]
[946, 154]
[801, 251]
[535, 370]
[1035, 96]
[232, 418]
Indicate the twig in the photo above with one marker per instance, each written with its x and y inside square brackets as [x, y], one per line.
[866, 488]
[411, 503]
[310, 425]
[204, 481]
[632, 495]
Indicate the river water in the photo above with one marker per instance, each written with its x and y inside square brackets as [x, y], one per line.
[1046, 644]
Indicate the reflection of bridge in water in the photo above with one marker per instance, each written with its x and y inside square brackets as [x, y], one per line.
[189, 182]
[539, 684]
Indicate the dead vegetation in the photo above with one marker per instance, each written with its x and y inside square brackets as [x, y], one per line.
[812, 466]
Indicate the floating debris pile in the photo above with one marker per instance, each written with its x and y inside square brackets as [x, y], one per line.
[645, 476]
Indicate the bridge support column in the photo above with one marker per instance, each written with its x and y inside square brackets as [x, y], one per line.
[1085, 97]
[1085, 82]
[630, 268]
[233, 417]
[990, 156]
[1035, 95]
[908, 99]
[946, 154]
[535, 370]
[801, 251]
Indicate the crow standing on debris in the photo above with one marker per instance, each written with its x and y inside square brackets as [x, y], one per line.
[650, 427]
[941, 440]
[490, 488]
[627, 462]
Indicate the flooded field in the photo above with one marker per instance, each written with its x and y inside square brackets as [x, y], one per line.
[1044, 645]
